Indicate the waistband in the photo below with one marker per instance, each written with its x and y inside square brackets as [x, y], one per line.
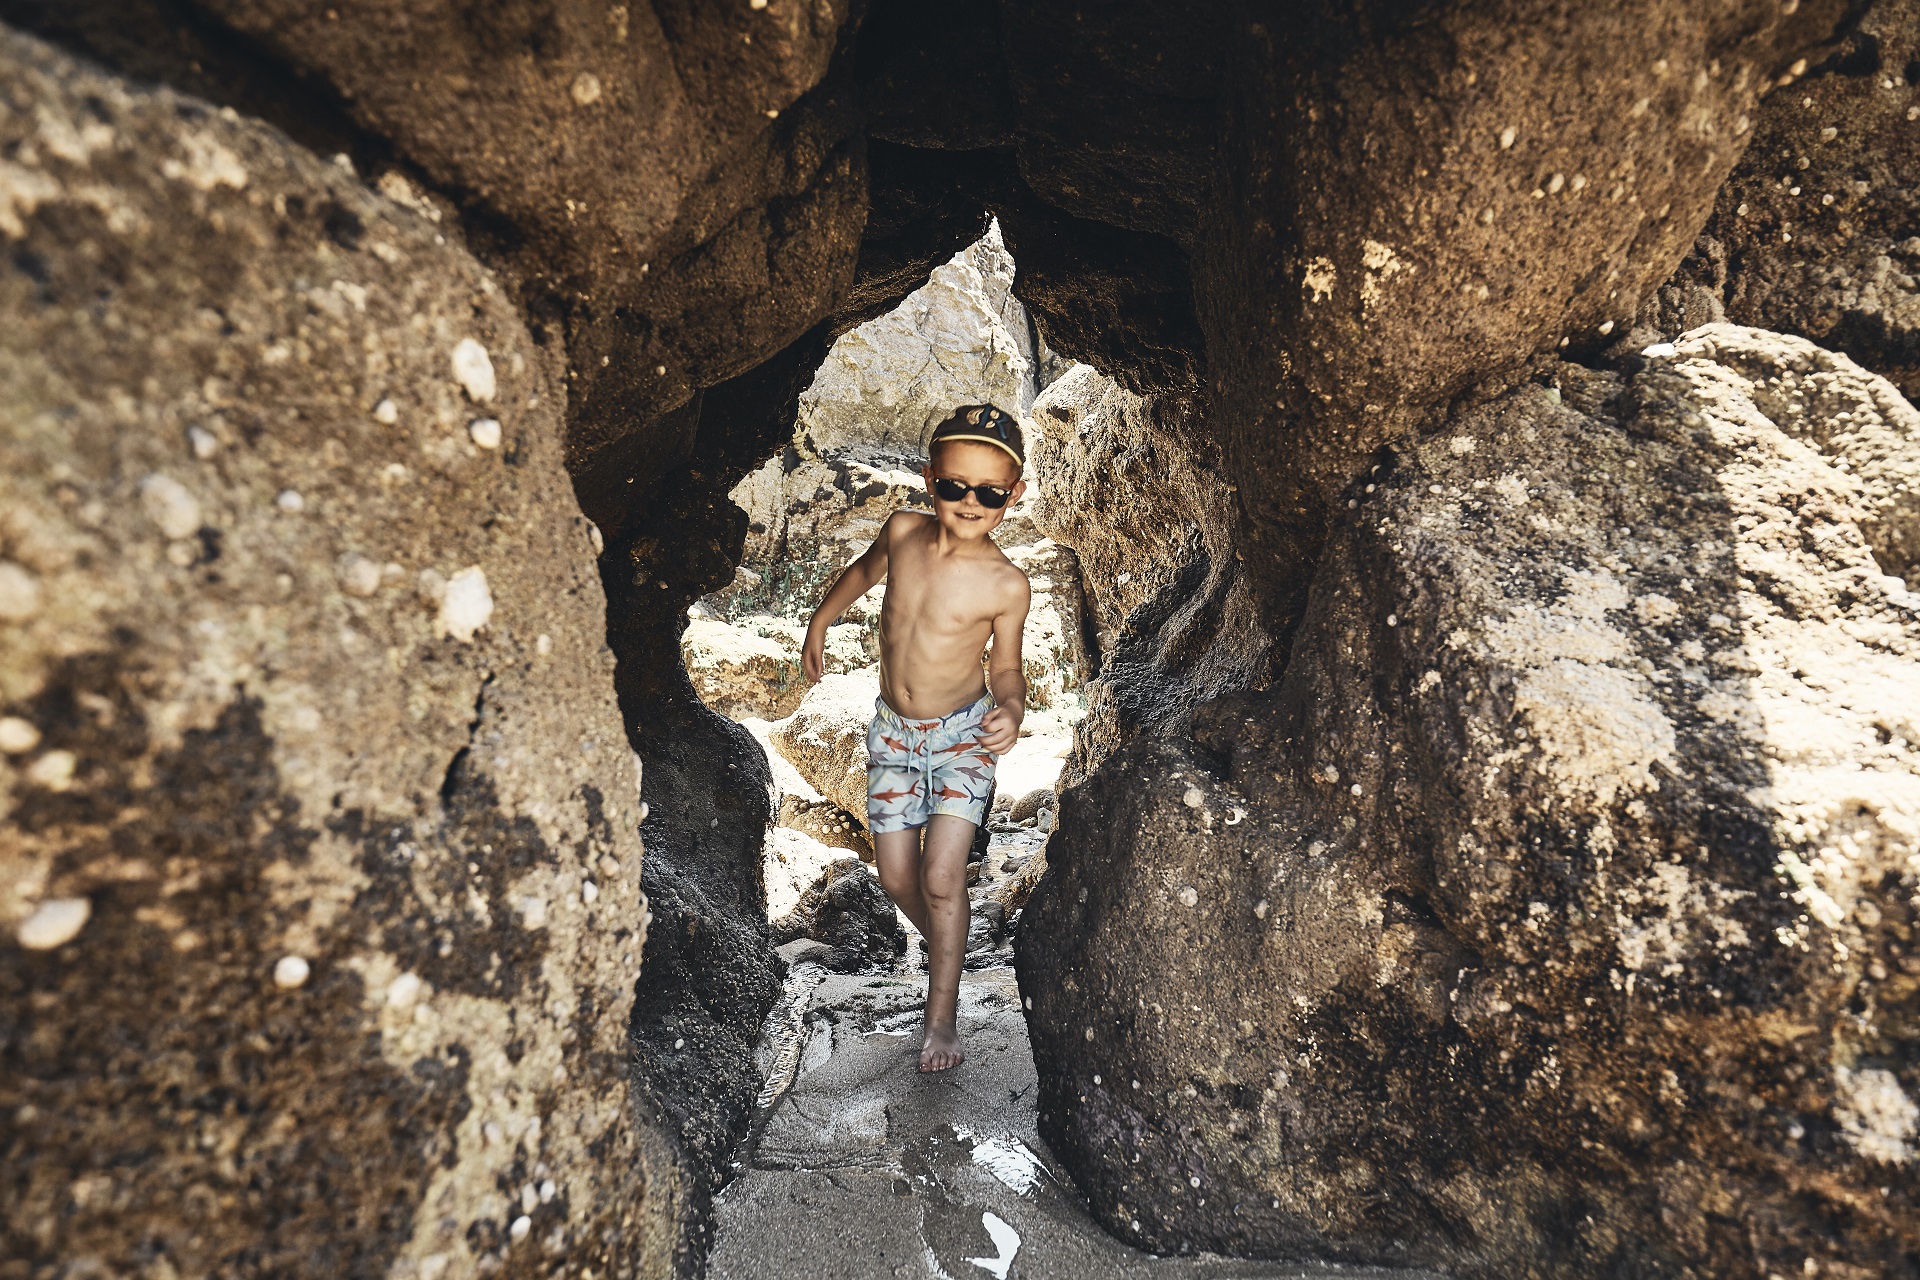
[961, 713]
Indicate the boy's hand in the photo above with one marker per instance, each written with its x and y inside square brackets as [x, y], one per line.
[813, 655]
[1000, 727]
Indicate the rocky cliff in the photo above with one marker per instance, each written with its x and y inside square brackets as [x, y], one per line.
[1497, 408]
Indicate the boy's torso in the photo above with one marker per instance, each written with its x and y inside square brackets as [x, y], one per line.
[937, 618]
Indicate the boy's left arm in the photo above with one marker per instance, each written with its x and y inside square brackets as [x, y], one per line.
[1006, 677]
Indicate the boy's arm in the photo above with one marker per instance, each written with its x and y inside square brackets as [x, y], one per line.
[855, 582]
[1006, 676]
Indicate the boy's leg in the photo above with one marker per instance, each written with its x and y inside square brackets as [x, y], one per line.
[896, 855]
[943, 885]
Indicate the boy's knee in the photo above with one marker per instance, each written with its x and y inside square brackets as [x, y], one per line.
[943, 894]
[900, 882]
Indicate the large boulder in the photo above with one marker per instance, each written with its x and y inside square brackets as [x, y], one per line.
[848, 911]
[1815, 232]
[321, 910]
[826, 738]
[1556, 915]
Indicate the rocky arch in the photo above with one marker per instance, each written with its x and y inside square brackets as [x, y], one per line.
[1314, 248]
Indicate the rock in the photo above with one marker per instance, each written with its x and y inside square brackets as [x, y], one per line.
[1573, 842]
[829, 824]
[1031, 803]
[826, 738]
[260, 763]
[1813, 233]
[740, 674]
[807, 951]
[848, 911]
[794, 862]
[961, 338]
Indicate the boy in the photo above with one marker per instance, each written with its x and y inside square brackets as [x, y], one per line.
[937, 724]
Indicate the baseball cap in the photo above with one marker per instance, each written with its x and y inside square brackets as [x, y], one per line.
[986, 424]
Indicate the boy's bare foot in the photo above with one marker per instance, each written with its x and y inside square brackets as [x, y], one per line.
[940, 1049]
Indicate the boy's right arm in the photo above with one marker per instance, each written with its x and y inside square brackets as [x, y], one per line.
[858, 579]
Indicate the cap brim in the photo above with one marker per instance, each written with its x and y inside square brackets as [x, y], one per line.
[1001, 445]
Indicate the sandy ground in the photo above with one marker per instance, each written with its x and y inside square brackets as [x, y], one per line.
[864, 1168]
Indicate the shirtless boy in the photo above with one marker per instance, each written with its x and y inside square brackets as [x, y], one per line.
[938, 724]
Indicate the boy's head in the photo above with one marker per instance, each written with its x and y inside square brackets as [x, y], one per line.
[973, 469]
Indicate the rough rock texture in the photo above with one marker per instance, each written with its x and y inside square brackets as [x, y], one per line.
[324, 734]
[961, 338]
[1170, 617]
[848, 911]
[1558, 912]
[1817, 232]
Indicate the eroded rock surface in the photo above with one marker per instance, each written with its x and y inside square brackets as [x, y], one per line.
[320, 867]
[848, 911]
[1557, 912]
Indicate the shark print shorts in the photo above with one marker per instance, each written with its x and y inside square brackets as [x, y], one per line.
[917, 768]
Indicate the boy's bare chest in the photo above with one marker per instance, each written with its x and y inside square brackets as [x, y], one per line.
[942, 594]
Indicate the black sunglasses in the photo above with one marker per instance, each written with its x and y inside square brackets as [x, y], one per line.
[991, 496]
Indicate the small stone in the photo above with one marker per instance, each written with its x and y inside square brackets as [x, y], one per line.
[1507, 135]
[1189, 896]
[544, 645]
[473, 370]
[521, 1226]
[403, 991]
[533, 912]
[1355, 788]
[19, 592]
[54, 923]
[492, 1132]
[586, 88]
[1606, 327]
[1193, 798]
[1089, 1034]
[1096, 1077]
[18, 736]
[203, 442]
[359, 576]
[168, 504]
[529, 1196]
[589, 892]
[467, 604]
[290, 501]
[1193, 1182]
[595, 538]
[291, 973]
[386, 413]
[54, 770]
[548, 1191]
[485, 432]
[609, 865]
[1260, 909]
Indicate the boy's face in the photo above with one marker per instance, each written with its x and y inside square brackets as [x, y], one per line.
[971, 463]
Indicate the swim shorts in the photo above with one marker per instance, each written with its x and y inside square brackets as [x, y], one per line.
[917, 768]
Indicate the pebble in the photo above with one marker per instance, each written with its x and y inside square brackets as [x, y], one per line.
[548, 1191]
[290, 501]
[291, 973]
[1188, 896]
[467, 605]
[589, 892]
[521, 1226]
[359, 576]
[203, 442]
[403, 991]
[54, 770]
[544, 645]
[586, 88]
[54, 923]
[473, 370]
[485, 432]
[19, 592]
[18, 736]
[169, 505]
[1194, 798]
[386, 413]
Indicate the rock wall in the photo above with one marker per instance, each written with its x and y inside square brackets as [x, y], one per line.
[321, 880]
[1556, 913]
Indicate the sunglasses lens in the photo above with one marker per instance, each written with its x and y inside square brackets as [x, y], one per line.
[949, 490]
[991, 497]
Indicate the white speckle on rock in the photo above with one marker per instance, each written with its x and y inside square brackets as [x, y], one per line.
[521, 1226]
[473, 370]
[1260, 909]
[595, 539]
[203, 442]
[1193, 798]
[1875, 1114]
[1393, 619]
[548, 1191]
[18, 736]
[586, 88]
[1193, 1182]
[291, 972]
[467, 604]
[1658, 349]
[19, 592]
[1096, 1077]
[1089, 1034]
[386, 413]
[1507, 135]
[1606, 327]
[492, 1132]
[485, 432]
[589, 892]
[529, 1196]
[1462, 445]
[404, 991]
[54, 770]
[169, 505]
[359, 576]
[290, 501]
[1320, 277]
[1189, 896]
[544, 645]
[679, 1044]
[533, 912]
[54, 923]
[1355, 788]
